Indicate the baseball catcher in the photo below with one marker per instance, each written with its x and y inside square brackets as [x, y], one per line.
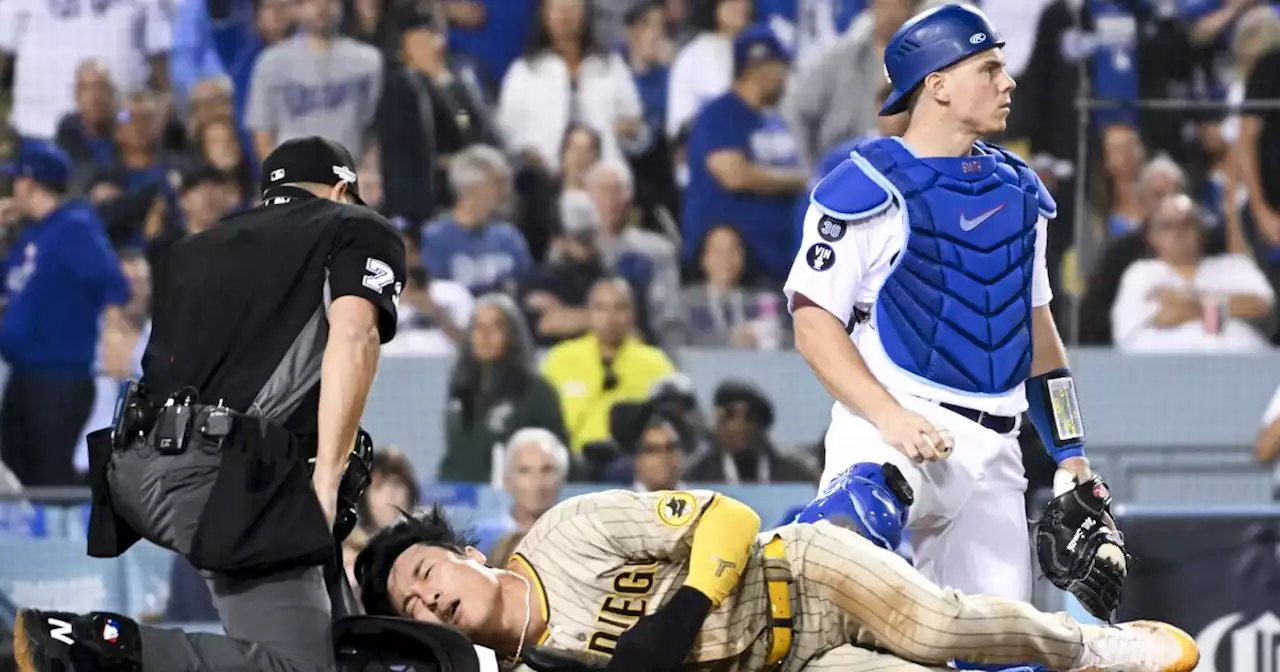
[655, 582]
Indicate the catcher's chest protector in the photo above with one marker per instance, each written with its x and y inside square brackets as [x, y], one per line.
[956, 308]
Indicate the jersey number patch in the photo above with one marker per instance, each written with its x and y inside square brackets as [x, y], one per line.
[378, 275]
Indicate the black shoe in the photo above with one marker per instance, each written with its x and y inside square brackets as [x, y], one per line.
[42, 640]
[58, 641]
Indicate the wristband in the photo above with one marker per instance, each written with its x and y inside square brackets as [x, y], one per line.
[1055, 411]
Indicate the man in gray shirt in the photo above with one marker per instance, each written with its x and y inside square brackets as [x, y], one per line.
[318, 83]
[831, 100]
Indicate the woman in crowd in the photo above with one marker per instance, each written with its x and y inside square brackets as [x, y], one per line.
[1124, 156]
[374, 23]
[703, 69]
[567, 77]
[219, 145]
[494, 390]
[723, 310]
[393, 487]
[580, 151]
[540, 193]
[1185, 300]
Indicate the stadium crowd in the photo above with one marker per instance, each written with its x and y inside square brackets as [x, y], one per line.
[607, 180]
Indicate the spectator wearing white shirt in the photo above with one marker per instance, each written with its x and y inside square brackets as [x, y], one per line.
[1184, 301]
[49, 40]
[433, 314]
[567, 77]
[703, 70]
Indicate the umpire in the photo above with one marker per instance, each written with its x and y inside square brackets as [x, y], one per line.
[261, 358]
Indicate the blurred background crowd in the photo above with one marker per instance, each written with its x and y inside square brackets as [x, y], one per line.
[588, 189]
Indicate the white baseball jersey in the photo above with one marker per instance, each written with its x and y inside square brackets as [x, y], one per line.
[51, 38]
[968, 523]
[852, 273]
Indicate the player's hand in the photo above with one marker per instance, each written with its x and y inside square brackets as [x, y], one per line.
[914, 436]
[1077, 469]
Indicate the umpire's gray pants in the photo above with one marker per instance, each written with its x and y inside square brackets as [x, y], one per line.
[276, 623]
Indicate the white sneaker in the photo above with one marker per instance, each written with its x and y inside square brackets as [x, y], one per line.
[1140, 646]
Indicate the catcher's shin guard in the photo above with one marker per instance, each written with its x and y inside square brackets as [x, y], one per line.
[56, 641]
[870, 499]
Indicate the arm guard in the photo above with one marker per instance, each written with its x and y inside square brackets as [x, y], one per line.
[1055, 412]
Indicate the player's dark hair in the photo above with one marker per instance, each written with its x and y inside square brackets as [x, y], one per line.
[373, 566]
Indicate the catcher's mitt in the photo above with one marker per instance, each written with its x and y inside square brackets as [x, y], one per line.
[1079, 549]
[549, 659]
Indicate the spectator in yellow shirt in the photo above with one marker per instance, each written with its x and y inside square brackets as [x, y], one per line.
[607, 365]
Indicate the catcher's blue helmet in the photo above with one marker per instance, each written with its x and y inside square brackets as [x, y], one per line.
[929, 42]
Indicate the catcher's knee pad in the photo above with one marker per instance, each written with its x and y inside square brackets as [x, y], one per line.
[871, 499]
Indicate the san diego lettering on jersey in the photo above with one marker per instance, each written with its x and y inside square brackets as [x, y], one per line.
[632, 589]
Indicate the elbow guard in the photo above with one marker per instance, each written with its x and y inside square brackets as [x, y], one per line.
[720, 547]
[1055, 412]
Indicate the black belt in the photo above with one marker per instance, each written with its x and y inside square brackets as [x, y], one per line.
[1000, 424]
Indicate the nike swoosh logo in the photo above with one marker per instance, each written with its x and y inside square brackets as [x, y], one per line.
[967, 224]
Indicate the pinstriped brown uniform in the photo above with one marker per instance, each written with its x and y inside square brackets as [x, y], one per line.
[603, 560]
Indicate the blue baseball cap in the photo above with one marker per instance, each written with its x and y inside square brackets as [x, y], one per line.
[41, 161]
[755, 44]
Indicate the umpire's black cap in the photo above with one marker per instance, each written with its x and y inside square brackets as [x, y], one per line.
[310, 159]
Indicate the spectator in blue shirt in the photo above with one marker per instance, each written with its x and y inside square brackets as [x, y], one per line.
[744, 169]
[60, 275]
[493, 32]
[474, 244]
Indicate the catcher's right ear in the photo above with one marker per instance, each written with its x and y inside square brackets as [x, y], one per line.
[473, 553]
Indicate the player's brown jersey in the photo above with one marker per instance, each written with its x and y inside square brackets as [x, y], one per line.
[605, 559]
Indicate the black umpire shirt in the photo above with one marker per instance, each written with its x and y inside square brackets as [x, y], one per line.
[251, 291]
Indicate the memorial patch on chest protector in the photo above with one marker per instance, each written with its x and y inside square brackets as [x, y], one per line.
[831, 229]
[820, 257]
